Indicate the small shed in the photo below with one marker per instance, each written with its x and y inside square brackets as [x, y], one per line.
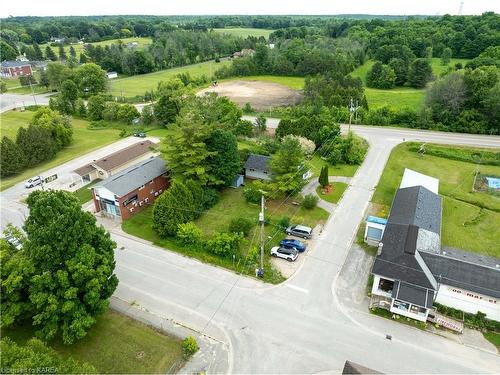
[374, 230]
[238, 181]
[257, 167]
[112, 75]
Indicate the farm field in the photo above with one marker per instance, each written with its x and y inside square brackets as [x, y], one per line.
[244, 32]
[84, 141]
[467, 215]
[112, 346]
[399, 97]
[143, 43]
[137, 85]
[296, 83]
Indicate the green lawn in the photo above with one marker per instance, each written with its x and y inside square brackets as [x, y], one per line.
[143, 43]
[84, 141]
[338, 191]
[347, 170]
[84, 194]
[494, 338]
[244, 32]
[296, 83]
[117, 344]
[399, 97]
[138, 85]
[467, 215]
[231, 205]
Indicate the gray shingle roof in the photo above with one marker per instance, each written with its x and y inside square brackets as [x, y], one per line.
[14, 64]
[258, 162]
[413, 294]
[418, 206]
[400, 260]
[134, 177]
[354, 368]
[464, 274]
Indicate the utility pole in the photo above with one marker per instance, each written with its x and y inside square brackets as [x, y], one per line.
[260, 272]
[32, 92]
[353, 109]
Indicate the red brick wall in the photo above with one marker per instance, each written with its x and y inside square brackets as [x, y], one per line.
[148, 191]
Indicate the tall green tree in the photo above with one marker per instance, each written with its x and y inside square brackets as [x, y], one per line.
[57, 74]
[49, 54]
[38, 54]
[36, 143]
[323, 176]
[420, 73]
[8, 52]
[91, 79]
[95, 107]
[74, 276]
[446, 56]
[381, 76]
[287, 167]
[12, 158]
[72, 51]
[62, 53]
[59, 126]
[400, 68]
[225, 162]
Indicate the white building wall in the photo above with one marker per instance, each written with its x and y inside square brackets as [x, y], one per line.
[470, 302]
[102, 192]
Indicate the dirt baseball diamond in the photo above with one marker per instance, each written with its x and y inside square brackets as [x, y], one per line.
[261, 95]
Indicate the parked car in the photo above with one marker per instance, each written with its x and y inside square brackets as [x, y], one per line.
[140, 134]
[284, 253]
[14, 242]
[32, 182]
[299, 231]
[293, 244]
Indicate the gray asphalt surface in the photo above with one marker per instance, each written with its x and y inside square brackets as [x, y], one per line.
[302, 325]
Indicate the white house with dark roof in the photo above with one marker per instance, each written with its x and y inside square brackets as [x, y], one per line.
[412, 270]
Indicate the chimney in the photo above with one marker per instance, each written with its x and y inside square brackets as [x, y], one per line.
[380, 246]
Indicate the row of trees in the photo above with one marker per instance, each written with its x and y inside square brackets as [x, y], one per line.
[48, 133]
[59, 280]
[399, 72]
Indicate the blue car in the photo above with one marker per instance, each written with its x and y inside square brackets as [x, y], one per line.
[293, 244]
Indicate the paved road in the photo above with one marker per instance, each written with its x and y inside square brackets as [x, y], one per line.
[300, 326]
[11, 101]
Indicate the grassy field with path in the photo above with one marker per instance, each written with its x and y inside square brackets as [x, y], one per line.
[244, 32]
[138, 85]
[467, 215]
[142, 43]
[84, 141]
[296, 83]
[116, 344]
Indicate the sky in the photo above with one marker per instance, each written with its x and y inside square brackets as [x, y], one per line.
[211, 7]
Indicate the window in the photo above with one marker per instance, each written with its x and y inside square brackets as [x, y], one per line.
[386, 285]
[417, 310]
[401, 305]
[374, 233]
[146, 200]
[129, 200]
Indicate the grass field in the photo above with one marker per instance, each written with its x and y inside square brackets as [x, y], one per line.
[347, 170]
[138, 85]
[117, 344]
[467, 215]
[244, 32]
[231, 205]
[84, 194]
[338, 191]
[494, 338]
[399, 97]
[143, 43]
[84, 141]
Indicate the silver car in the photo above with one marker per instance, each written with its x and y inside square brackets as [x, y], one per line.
[299, 231]
[32, 182]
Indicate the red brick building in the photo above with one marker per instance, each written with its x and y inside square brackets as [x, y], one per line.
[125, 193]
[12, 69]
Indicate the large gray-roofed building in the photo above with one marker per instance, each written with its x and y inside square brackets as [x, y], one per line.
[417, 206]
[134, 177]
[413, 294]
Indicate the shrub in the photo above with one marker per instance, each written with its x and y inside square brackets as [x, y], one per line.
[189, 347]
[189, 233]
[284, 222]
[252, 192]
[224, 244]
[248, 108]
[240, 225]
[310, 201]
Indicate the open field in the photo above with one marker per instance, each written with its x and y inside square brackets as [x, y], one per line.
[138, 85]
[143, 43]
[347, 170]
[84, 141]
[231, 205]
[116, 344]
[260, 94]
[296, 83]
[467, 215]
[399, 97]
[494, 338]
[244, 32]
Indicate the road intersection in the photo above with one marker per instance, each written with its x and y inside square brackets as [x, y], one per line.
[303, 325]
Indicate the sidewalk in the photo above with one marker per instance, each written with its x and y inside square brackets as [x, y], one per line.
[211, 358]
